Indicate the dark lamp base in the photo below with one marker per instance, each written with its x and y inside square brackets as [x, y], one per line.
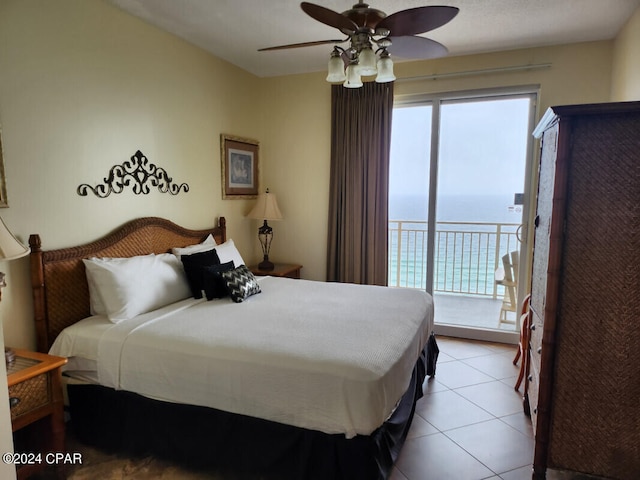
[266, 265]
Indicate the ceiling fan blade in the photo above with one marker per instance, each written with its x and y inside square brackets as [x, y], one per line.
[416, 47]
[417, 20]
[329, 17]
[299, 45]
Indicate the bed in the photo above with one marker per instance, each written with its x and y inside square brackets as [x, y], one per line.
[288, 379]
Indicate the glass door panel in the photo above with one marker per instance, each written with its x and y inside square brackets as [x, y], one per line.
[457, 198]
[481, 172]
[409, 196]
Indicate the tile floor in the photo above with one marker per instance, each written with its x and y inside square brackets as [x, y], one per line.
[469, 425]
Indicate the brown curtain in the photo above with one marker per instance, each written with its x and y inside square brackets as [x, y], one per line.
[359, 186]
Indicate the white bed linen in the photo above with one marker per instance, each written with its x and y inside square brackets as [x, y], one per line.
[324, 356]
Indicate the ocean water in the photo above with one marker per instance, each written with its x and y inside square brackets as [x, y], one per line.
[466, 256]
[456, 208]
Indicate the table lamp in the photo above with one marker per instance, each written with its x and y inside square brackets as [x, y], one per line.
[10, 249]
[266, 208]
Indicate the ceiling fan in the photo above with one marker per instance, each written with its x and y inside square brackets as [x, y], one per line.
[367, 29]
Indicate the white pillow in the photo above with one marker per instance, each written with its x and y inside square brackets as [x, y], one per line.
[227, 252]
[96, 305]
[126, 287]
[94, 279]
[206, 245]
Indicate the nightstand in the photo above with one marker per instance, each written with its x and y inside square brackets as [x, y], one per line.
[288, 270]
[37, 409]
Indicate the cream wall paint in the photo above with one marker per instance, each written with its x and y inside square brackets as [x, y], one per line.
[626, 61]
[82, 87]
[89, 85]
[579, 73]
[297, 114]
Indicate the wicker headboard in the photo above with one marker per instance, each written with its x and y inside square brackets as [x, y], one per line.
[60, 291]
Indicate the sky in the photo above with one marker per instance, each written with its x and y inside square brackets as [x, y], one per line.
[482, 148]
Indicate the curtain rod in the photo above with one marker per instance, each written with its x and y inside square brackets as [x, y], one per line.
[468, 73]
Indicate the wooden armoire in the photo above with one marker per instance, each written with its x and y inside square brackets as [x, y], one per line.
[583, 386]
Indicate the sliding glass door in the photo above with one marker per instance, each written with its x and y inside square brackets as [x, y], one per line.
[457, 200]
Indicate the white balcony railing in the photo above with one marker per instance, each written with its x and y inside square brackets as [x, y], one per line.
[466, 255]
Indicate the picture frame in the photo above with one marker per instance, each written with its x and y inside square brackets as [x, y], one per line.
[4, 202]
[240, 166]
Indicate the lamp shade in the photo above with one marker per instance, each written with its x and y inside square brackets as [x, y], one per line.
[385, 69]
[336, 70]
[10, 247]
[266, 208]
[367, 62]
[353, 77]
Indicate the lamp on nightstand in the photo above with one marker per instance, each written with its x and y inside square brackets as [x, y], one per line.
[266, 208]
[10, 249]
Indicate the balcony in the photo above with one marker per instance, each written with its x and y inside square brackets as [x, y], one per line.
[466, 258]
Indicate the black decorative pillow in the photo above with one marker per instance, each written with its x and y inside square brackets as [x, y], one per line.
[193, 267]
[214, 284]
[241, 283]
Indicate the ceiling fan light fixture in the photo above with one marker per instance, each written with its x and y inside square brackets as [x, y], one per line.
[385, 68]
[336, 68]
[365, 27]
[353, 76]
[367, 62]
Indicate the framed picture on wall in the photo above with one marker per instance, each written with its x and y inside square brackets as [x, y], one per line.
[3, 182]
[240, 160]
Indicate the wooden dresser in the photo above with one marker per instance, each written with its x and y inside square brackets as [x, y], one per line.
[584, 379]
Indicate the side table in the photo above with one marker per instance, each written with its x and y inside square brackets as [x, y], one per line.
[37, 409]
[289, 270]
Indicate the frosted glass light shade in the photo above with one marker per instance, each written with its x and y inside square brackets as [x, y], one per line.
[385, 70]
[367, 62]
[353, 77]
[336, 70]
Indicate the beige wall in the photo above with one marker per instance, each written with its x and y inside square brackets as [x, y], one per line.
[297, 112]
[89, 85]
[82, 87]
[626, 62]
[578, 73]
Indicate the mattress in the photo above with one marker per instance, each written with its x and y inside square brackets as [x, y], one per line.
[324, 356]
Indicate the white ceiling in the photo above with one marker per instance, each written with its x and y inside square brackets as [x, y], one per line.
[235, 29]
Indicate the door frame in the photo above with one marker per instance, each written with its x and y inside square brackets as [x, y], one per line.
[528, 210]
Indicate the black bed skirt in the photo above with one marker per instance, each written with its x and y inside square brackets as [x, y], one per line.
[120, 421]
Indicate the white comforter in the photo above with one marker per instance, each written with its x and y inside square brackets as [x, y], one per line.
[324, 356]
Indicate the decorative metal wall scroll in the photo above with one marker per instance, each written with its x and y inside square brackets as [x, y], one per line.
[139, 173]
